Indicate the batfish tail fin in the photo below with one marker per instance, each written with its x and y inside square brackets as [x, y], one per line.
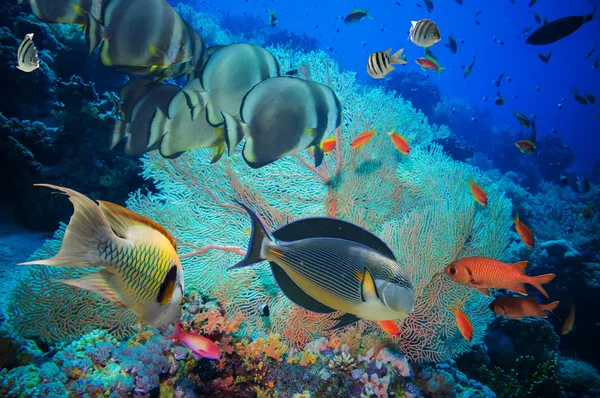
[118, 133]
[258, 236]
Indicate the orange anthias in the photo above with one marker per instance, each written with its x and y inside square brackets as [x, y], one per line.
[485, 273]
[399, 142]
[524, 232]
[463, 322]
[525, 146]
[328, 145]
[390, 327]
[362, 139]
[478, 193]
[199, 345]
[569, 322]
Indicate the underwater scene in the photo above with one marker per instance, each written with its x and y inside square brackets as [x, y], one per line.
[270, 198]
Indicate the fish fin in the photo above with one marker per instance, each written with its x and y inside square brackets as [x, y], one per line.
[121, 220]
[423, 68]
[318, 154]
[257, 237]
[94, 34]
[517, 288]
[550, 307]
[388, 51]
[160, 54]
[538, 281]
[218, 153]
[367, 15]
[80, 11]
[311, 132]
[158, 127]
[344, 320]
[213, 115]
[235, 131]
[413, 23]
[87, 230]
[368, 289]
[589, 17]
[517, 219]
[397, 58]
[177, 334]
[167, 287]
[484, 291]
[100, 282]
[521, 265]
[118, 133]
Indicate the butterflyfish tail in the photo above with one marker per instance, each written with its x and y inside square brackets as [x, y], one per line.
[258, 236]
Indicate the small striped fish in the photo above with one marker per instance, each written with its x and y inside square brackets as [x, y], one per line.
[380, 63]
[424, 33]
[27, 55]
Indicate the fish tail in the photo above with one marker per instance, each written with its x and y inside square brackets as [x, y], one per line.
[87, 230]
[589, 17]
[550, 307]
[397, 57]
[538, 281]
[440, 69]
[94, 34]
[367, 15]
[118, 133]
[258, 236]
[235, 130]
[177, 334]
[159, 126]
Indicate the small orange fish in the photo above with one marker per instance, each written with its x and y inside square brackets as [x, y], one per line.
[525, 146]
[362, 139]
[463, 322]
[478, 193]
[569, 322]
[524, 232]
[399, 142]
[485, 273]
[518, 307]
[199, 345]
[329, 144]
[390, 327]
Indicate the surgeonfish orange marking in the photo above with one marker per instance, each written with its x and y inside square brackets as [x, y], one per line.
[199, 345]
[485, 273]
[329, 144]
[524, 232]
[478, 193]
[399, 142]
[463, 322]
[569, 322]
[389, 327]
[362, 139]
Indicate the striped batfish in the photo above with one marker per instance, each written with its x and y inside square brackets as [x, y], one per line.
[136, 128]
[282, 116]
[229, 74]
[139, 36]
[379, 64]
[177, 132]
[140, 267]
[27, 55]
[65, 11]
[424, 33]
[327, 265]
[129, 94]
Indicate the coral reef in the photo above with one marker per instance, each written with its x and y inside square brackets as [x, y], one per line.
[417, 88]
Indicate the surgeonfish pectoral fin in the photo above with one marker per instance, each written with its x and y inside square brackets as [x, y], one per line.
[344, 320]
[484, 291]
[257, 237]
[368, 287]
[87, 229]
[319, 154]
[219, 150]
[118, 133]
[235, 131]
[101, 282]
[94, 34]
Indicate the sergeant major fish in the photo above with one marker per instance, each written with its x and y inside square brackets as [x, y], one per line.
[27, 55]
[424, 33]
[380, 64]
[140, 267]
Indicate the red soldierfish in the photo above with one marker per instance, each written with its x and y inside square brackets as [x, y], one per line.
[478, 193]
[518, 307]
[399, 142]
[485, 273]
[389, 327]
[524, 232]
[463, 322]
[200, 345]
[569, 322]
[362, 139]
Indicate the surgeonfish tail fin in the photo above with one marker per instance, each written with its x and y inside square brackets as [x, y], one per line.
[159, 125]
[118, 133]
[397, 58]
[235, 131]
[258, 236]
[87, 230]
[177, 334]
[94, 34]
[538, 281]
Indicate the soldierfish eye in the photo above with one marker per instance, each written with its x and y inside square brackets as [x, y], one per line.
[452, 271]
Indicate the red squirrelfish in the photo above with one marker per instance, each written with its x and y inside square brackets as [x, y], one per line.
[140, 267]
[389, 327]
[524, 232]
[463, 322]
[429, 63]
[399, 142]
[569, 322]
[362, 139]
[200, 345]
[519, 307]
[328, 145]
[478, 193]
[525, 146]
[485, 273]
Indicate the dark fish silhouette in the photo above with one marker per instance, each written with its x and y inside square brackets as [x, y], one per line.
[558, 29]
[452, 45]
[545, 58]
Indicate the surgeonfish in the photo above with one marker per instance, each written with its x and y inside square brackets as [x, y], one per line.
[363, 138]
[140, 267]
[281, 116]
[27, 55]
[525, 146]
[569, 322]
[558, 29]
[399, 142]
[520, 307]
[524, 232]
[136, 129]
[199, 345]
[356, 15]
[177, 132]
[479, 195]
[429, 63]
[65, 11]
[424, 33]
[485, 273]
[228, 76]
[326, 265]
[380, 64]
[463, 322]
